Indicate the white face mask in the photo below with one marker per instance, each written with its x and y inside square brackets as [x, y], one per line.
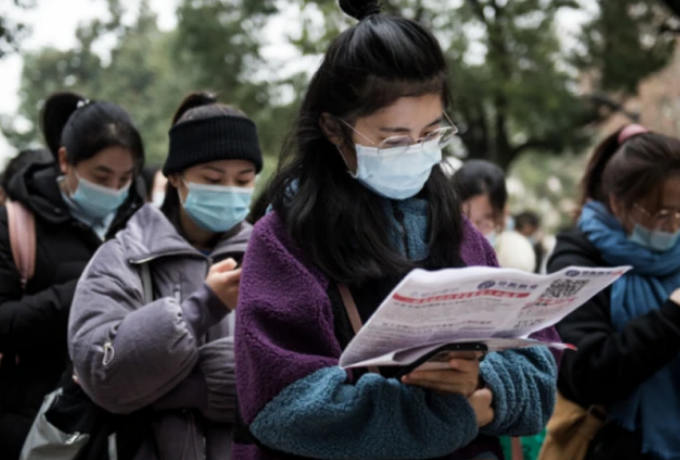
[397, 176]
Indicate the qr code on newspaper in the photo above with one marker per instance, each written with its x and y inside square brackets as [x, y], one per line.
[563, 289]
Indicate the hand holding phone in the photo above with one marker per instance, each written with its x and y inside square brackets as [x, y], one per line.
[224, 278]
[453, 369]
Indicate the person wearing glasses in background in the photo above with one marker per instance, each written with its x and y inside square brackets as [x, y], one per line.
[360, 199]
[481, 188]
[628, 337]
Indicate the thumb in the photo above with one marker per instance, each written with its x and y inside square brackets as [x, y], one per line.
[224, 266]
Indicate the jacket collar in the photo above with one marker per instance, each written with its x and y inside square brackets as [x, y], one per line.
[150, 235]
[36, 187]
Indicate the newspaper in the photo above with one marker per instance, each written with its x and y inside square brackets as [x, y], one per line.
[497, 307]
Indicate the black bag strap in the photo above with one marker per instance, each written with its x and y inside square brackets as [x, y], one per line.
[353, 314]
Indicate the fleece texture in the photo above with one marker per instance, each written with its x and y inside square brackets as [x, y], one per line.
[298, 403]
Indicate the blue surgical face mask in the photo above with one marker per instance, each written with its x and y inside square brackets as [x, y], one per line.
[654, 240]
[97, 201]
[395, 173]
[217, 208]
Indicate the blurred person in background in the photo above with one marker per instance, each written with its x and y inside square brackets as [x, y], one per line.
[528, 224]
[482, 190]
[78, 200]
[627, 338]
[22, 160]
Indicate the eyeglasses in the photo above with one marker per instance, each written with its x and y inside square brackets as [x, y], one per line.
[398, 145]
[665, 220]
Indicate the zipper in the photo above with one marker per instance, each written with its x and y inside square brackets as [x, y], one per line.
[193, 430]
[167, 254]
[399, 216]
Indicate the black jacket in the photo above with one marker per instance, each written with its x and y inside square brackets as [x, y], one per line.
[610, 365]
[33, 323]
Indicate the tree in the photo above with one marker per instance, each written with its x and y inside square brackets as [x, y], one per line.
[12, 33]
[515, 83]
[222, 40]
[512, 94]
[142, 75]
[624, 43]
[516, 87]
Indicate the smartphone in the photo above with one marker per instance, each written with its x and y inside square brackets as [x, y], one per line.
[441, 355]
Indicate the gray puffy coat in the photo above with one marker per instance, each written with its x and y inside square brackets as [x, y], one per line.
[175, 354]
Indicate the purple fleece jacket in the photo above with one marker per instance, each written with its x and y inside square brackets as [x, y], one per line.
[297, 402]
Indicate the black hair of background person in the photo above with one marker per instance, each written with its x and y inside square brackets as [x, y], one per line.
[195, 106]
[527, 218]
[85, 128]
[23, 159]
[480, 177]
[341, 226]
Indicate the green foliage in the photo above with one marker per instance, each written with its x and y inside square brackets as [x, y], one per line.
[624, 43]
[13, 32]
[222, 39]
[513, 94]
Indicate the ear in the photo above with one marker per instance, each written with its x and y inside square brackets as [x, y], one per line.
[62, 157]
[175, 180]
[331, 129]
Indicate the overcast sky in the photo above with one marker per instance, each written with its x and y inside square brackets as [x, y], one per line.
[54, 23]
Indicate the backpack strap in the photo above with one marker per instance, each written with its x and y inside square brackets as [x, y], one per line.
[21, 226]
[147, 283]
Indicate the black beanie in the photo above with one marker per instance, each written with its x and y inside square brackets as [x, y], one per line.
[224, 137]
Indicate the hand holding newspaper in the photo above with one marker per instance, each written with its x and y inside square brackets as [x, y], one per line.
[497, 308]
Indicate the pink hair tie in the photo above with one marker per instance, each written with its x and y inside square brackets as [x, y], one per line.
[630, 131]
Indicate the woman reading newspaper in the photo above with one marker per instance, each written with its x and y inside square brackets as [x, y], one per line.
[359, 201]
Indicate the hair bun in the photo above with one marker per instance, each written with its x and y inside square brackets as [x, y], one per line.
[193, 100]
[360, 9]
[55, 113]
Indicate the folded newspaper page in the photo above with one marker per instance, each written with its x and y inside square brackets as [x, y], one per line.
[497, 307]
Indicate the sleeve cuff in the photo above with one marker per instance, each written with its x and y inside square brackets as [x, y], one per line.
[203, 310]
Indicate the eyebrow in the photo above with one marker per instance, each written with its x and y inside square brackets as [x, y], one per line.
[106, 170]
[213, 168]
[400, 129]
[247, 171]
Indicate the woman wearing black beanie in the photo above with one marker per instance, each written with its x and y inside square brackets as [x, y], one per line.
[150, 323]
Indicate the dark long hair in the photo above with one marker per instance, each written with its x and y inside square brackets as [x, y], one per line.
[631, 170]
[195, 106]
[85, 128]
[480, 177]
[341, 226]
